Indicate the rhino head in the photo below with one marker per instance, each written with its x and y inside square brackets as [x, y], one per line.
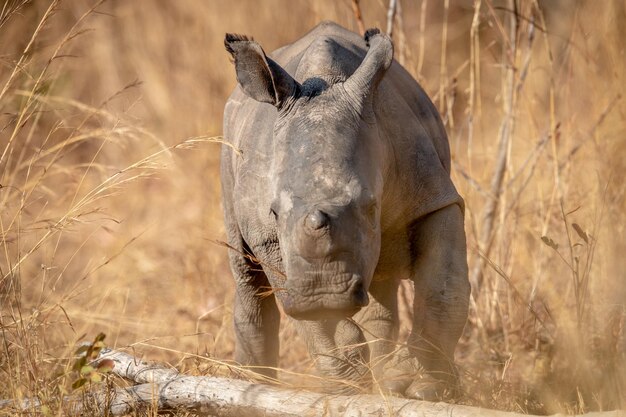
[326, 176]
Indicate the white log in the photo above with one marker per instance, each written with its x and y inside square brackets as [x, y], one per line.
[166, 389]
[231, 397]
[134, 369]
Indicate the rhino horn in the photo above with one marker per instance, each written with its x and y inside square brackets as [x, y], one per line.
[260, 77]
[378, 58]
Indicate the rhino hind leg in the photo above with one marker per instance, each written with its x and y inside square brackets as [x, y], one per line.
[441, 301]
[256, 316]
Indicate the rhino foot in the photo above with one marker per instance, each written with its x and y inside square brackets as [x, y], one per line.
[426, 388]
[404, 376]
[399, 373]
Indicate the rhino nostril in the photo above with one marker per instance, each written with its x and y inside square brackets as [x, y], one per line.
[316, 220]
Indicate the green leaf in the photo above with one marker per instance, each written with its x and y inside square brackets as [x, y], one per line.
[98, 345]
[87, 369]
[96, 377]
[79, 383]
[80, 362]
[550, 242]
[99, 338]
[579, 230]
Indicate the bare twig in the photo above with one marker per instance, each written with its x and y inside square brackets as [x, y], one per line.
[591, 133]
[443, 71]
[391, 15]
[422, 41]
[474, 88]
[504, 140]
[356, 9]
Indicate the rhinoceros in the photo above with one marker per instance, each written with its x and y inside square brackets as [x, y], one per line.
[336, 185]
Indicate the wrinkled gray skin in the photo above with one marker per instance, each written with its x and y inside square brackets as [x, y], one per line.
[341, 188]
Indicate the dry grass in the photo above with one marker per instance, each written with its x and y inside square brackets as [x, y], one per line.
[110, 202]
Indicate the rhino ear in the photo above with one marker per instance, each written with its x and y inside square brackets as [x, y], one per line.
[260, 77]
[378, 58]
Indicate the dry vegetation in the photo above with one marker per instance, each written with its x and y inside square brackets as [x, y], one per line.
[110, 201]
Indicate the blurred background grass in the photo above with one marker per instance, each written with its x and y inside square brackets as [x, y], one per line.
[110, 197]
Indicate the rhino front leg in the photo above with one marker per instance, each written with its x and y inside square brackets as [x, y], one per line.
[340, 352]
[256, 317]
[441, 300]
[379, 321]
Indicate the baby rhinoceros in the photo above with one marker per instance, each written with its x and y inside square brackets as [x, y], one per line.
[336, 185]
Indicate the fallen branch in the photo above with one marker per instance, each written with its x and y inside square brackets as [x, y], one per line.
[166, 389]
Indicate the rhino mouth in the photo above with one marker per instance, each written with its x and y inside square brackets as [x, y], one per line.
[323, 297]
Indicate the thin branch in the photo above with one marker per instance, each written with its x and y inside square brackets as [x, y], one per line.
[391, 15]
[356, 9]
[504, 142]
